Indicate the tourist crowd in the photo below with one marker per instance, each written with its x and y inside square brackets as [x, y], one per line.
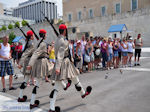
[95, 52]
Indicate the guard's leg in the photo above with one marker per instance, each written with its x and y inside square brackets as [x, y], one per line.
[53, 96]
[66, 86]
[22, 87]
[79, 87]
[34, 103]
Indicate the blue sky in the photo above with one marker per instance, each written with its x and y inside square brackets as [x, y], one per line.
[14, 3]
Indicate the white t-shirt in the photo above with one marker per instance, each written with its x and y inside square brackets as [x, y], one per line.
[125, 45]
[83, 44]
[100, 43]
[130, 47]
[4, 51]
[70, 48]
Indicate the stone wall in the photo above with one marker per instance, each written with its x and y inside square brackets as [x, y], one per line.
[1, 8]
[74, 6]
[137, 21]
[45, 25]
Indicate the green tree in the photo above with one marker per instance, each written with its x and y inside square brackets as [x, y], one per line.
[10, 26]
[1, 40]
[60, 21]
[4, 27]
[24, 23]
[11, 37]
[17, 24]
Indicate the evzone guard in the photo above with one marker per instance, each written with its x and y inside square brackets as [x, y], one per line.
[64, 69]
[27, 53]
[39, 67]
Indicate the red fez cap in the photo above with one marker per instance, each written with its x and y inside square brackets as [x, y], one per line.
[29, 33]
[63, 27]
[42, 31]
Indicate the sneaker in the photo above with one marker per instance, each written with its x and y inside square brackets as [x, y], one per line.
[4, 90]
[138, 64]
[51, 111]
[129, 65]
[111, 67]
[12, 88]
[135, 64]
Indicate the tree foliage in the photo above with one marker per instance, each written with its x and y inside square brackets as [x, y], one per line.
[4, 27]
[11, 37]
[24, 23]
[17, 24]
[1, 40]
[10, 26]
[60, 21]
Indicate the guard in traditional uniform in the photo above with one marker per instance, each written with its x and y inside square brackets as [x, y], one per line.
[39, 65]
[27, 53]
[64, 69]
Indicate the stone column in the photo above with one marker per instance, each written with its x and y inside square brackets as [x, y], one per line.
[50, 11]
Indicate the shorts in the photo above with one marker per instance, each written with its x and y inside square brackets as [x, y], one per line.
[6, 67]
[19, 54]
[80, 63]
[124, 53]
[116, 54]
[130, 52]
[52, 60]
[138, 52]
[14, 55]
[104, 57]
[110, 57]
[119, 55]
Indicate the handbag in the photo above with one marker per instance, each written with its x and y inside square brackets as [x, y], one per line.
[86, 58]
[77, 59]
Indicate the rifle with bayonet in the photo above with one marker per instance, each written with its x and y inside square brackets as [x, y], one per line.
[32, 31]
[21, 30]
[57, 34]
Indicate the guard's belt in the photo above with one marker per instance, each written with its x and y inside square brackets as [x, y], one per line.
[66, 57]
[41, 57]
[29, 56]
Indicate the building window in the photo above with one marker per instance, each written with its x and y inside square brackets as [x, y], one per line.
[118, 8]
[91, 13]
[79, 15]
[134, 4]
[103, 11]
[69, 17]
